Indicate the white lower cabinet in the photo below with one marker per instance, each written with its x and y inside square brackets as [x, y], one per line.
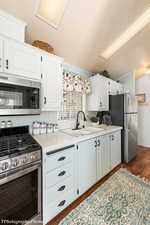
[103, 156]
[1, 55]
[115, 149]
[68, 174]
[86, 165]
[59, 182]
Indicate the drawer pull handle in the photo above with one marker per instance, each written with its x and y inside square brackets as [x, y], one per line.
[95, 144]
[61, 158]
[62, 188]
[45, 101]
[113, 138]
[61, 173]
[7, 64]
[62, 203]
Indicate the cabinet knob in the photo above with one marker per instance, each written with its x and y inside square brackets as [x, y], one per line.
[112, 137]
[100, 104]
[62, 188]
[61, 173]
[45, 100]
[95, 144]
[62, 158]
[62, 203]
[99, 143]
[7, 64]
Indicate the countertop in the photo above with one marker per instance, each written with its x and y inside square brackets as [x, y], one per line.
[58, 139]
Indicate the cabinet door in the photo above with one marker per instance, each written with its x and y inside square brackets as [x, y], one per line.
[21, 60]
[87, 165]
[94, 100]
[52, 84]
[115, 149]
[112, 87]
[1, 55]
[104, 95]
[103, 156]
[98, 100]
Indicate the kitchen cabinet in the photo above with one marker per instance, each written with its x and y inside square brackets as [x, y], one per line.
[1, 55]
[59, 181]
[98, 100]
[86, 165]
[115, 149]
[72, 170]
[21, 59]
[52, 83]
[115, 88]
[103, 156]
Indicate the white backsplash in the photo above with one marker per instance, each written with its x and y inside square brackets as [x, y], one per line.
[27, 120]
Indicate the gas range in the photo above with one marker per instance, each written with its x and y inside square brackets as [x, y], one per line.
[17, 148]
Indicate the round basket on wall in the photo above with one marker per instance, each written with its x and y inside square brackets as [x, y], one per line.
[44, 46]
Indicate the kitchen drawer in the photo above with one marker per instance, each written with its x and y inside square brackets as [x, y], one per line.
[59, 159]
[59, 174]
[59, 189]
[56, 207]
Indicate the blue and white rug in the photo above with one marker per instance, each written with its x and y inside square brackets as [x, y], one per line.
[123, 199]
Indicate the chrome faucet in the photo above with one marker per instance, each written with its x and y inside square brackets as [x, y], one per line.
[77, 120]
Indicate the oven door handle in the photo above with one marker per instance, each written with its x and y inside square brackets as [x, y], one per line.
[18, 174]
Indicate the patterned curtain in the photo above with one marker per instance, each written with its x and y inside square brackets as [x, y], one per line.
[74, 82]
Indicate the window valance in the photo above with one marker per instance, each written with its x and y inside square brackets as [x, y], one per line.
[74, 82]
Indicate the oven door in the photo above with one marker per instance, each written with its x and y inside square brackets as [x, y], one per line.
[19, 96]
[20, 197]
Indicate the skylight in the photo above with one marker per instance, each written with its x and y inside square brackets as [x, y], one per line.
[51, 11]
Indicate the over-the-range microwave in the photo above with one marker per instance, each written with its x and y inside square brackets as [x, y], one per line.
[19, 96]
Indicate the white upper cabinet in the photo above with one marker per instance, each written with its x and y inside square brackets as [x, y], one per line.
[52, 83]
[87, 165]
[115, 88]
[11, 26]
[22, 60]
[98, 100]
[1, 55]
[115, 149]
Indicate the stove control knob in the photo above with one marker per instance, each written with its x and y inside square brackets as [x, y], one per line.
[25, 160]
[15, 162]
[33, 157]
[4, 166]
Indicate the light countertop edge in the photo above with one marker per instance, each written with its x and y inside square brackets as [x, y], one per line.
[53, 141]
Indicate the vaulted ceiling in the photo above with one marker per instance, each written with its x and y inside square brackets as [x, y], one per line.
[87, 29]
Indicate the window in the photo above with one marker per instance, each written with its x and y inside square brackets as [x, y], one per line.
[51, 11]
[72, 103]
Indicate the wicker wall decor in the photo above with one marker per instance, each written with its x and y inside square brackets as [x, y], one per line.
[44, 46]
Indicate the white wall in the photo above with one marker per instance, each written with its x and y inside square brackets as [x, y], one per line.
[143, 86]
[27, 120]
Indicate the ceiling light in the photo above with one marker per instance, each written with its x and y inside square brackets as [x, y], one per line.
[147, 70]
[51, 11]
[132, 30]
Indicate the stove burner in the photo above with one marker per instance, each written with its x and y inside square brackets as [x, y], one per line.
[17, 144]
[17, 149]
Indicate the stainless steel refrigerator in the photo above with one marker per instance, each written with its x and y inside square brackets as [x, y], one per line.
[123, 111]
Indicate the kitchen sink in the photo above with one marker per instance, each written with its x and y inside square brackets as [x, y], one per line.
[82, 132]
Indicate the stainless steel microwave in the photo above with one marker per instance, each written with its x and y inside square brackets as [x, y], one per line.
[19, 96]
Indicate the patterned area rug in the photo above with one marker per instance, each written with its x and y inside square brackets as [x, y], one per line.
[123, 199]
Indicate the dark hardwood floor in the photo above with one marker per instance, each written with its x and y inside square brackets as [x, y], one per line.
[140, 166]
